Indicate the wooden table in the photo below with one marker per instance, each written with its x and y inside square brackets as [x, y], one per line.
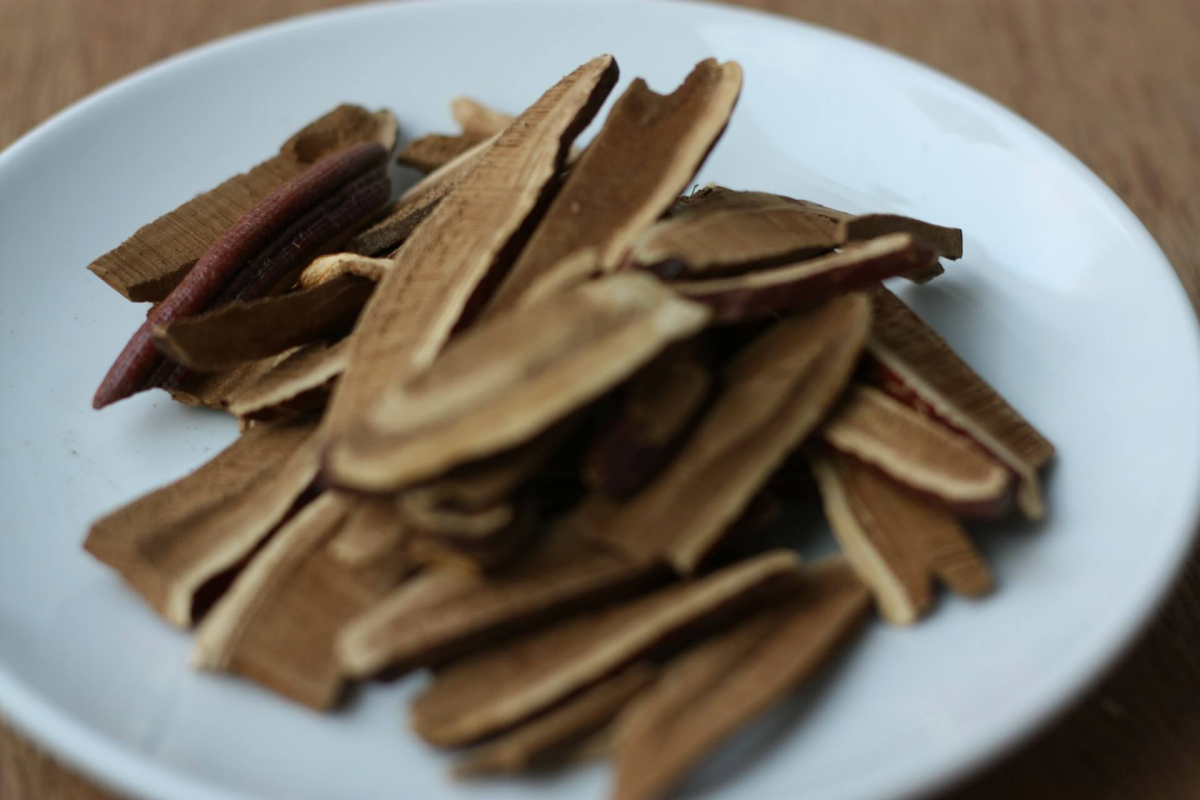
[1116, 81]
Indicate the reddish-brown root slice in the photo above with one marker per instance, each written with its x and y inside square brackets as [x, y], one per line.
[916, 365]
[173, 541]
[658, 408]
[645, 154]
[777, 390]
[502, 687]
[278, 623]
[549, 737]
[149, 264]
[458, 611]
[705, 696]
[806, 283]
[419, 302]
[336, 265]
[896, 541]
[919, 452]
[245, 238]
[503, 382]
[247, 331]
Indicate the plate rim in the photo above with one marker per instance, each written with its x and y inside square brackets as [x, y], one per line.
[130, 772]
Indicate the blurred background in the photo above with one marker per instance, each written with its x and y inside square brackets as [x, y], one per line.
[1115, 81]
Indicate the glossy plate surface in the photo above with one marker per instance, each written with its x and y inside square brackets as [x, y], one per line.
[1063, 301]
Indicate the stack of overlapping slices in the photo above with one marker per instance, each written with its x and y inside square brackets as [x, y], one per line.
[526, 424]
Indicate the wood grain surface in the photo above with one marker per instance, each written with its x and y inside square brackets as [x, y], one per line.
[1116, 81]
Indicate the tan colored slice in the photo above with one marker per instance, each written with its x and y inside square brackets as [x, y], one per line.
[777, 390]
[171, 542]
[336, 265]
[434, 150]
[484, 539]
[478, 120]
[278, 623]
[713, 691]
[896, 541]
[564, 575]
[645, 154]
[546, 738]
[503, 382]
[807, 283]
[518, 680]
[241, 332]
[919, 452]
[295, 382]
[418, 303]
[372, 531]
[147, 265]
[918, 367]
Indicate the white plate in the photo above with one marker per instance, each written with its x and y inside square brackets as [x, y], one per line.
[1063, 301]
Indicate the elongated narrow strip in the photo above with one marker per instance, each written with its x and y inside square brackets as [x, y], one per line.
[541, 740]
[913, 363]
[420, 627]
[650, 147]
[518, 680]
[414, 309]
[776, 391]
[298, 381]
[247, 331]
[245, 238]
[149, 264]
[336, 265]
[168, 544]
[278, 623]
[919, 452]
[806, 283]
[710, 693]
[503, 382]
[896, 541]
[477, 120]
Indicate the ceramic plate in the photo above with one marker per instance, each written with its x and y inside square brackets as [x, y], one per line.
[1063, 301]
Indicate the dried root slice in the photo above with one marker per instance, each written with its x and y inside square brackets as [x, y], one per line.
[946, 242]
[719, 232]
[432, 151]
[248, 331]
[169, 544]
[916, 365]
[807, 283]
[658, 408]
[485, 539]
[372, 532]
[149, 264]
[547, 738]
[447, 613]
[278, 623]
[648, 150]
[504, 686]
[776, 391]
[337, 265]
[711, 692]
[505, 381]
[896, 541]
[421, 300]
[919, 452]
[296, 382]
[477, 120]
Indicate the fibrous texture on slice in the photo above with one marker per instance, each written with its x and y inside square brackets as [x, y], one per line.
[149, 264]
[712, 691]
[916, 365]
[247, 331]
[168, 544]
[550, 734]
[416, 627]
[294, 382]
[658, 408]
[477, 120]
[806, 283]
[336, 265]
[435, 150]
[515, 681]
[897, 541]
[278, 623]
[645, 154]
[777, 390]
[505, 381]
[919, 452]
[418, 303]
